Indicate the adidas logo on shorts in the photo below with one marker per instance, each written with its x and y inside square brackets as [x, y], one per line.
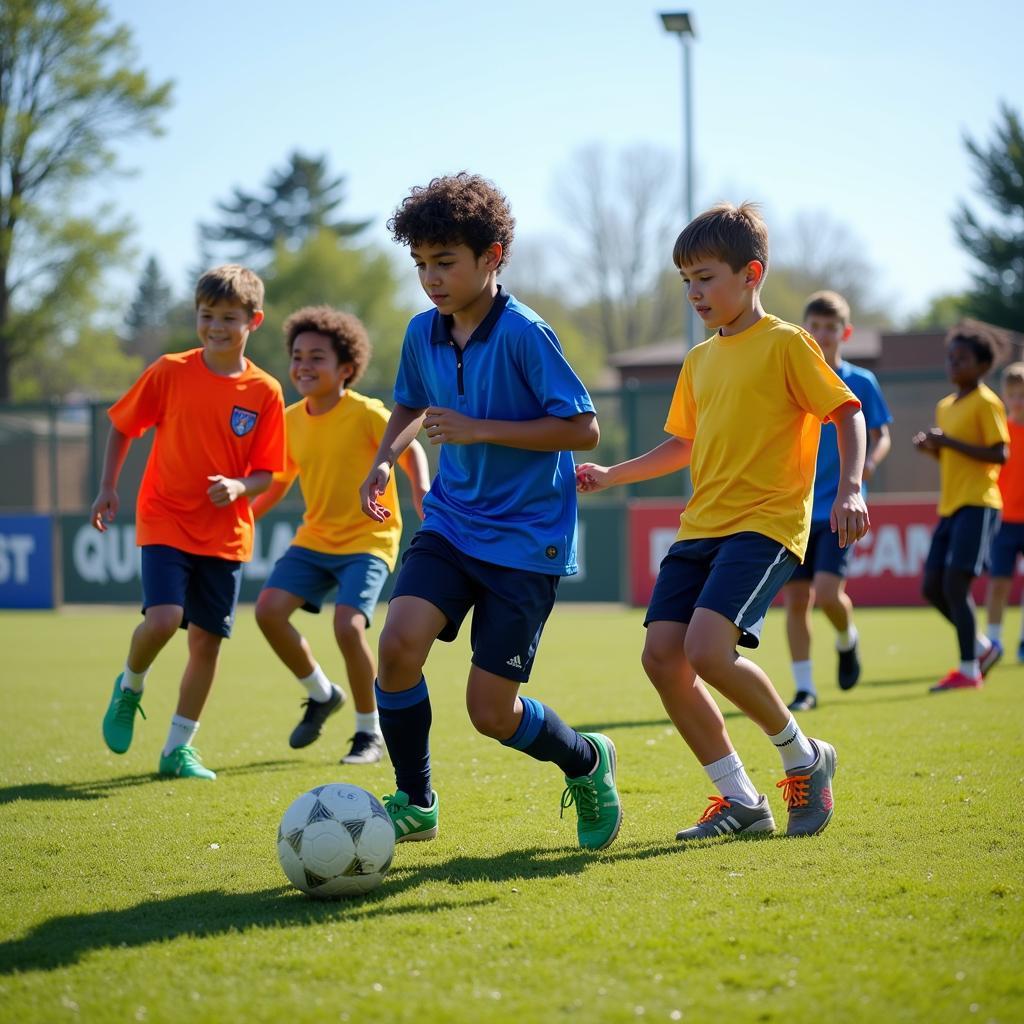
[515, 662]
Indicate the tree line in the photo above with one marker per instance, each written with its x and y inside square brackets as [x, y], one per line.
[70, 89]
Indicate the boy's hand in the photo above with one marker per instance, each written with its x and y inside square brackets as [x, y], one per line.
[591, 478]
[371, 490]
[930, 440]
[104, 508]
[446, 426]
[224, 490]
[849, 516]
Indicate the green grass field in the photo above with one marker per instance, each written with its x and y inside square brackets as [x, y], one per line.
[129, 898]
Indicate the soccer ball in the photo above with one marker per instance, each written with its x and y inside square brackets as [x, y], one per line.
[335, 840]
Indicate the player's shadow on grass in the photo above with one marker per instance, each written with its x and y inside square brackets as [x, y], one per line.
[98, 789]
[63, 941]
[643, 723]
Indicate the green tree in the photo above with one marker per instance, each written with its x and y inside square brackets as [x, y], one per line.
[997, 295]
[327, 270]
[148, 317]
[68, 91]
[298, 201]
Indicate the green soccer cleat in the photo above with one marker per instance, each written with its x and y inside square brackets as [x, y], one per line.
[119, 721]
[412, 824]
[598, 811]
[183, 763]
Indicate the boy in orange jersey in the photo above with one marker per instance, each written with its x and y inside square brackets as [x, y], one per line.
[332, 433]
[969, 440]
[745, 416]
[219, 439]
[1009, 541]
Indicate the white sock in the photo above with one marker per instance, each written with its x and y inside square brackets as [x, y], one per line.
[730, 779]
[802, 676]
[794, 747]
[846, 640]
[971, 668]
[368, 722]
[995, 632]
[134, 681]
[182, 733]
[317, 685]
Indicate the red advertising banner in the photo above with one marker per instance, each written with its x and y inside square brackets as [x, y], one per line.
[885, 568]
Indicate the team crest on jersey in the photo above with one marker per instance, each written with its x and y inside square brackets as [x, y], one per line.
[242, 420]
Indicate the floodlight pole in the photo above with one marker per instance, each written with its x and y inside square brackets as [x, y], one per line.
[680, 24]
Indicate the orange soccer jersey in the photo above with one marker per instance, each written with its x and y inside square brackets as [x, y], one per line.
[206, 425]
[1011, 477]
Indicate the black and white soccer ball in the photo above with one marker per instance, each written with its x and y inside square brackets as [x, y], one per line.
[335, 840]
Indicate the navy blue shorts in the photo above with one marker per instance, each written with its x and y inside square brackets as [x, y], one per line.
[823, 554]
[963, 540]
[312, 575]
[206, 587]
[737, 576]
[1007, 544]
[510, 606]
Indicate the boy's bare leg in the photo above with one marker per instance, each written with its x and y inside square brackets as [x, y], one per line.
[360, 664]
[411, 627]
[711, 650]
[799, 600]
[159, 624]
[833, 600]
[691, 708]
[274, 609]
[197, 679]
[996, 599]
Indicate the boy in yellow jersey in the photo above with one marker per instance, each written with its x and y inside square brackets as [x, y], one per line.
[746, 417]
[1009, 541]
[331, 434]
[970, 441]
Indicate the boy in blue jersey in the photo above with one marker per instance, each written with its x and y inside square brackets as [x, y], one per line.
[487, 379]
[821, 578]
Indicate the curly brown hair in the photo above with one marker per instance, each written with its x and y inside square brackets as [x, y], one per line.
[989, 344]
[457, 209]
[346, 333]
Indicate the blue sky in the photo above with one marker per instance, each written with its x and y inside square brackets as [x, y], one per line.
[857, 110]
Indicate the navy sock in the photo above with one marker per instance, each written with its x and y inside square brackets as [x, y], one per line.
[543, 735]
[405, 724]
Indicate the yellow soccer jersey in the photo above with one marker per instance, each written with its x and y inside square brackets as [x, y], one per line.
[331, 455]
[753, 404]
[978, 418]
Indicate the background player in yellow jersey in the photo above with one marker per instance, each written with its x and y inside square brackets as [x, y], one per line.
[332, 433]
[970, 441]
[745, 416]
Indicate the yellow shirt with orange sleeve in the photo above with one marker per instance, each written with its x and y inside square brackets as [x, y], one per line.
[1011, 476]
[977, 418]
[330, 454]
[206, 425]
[753, 404]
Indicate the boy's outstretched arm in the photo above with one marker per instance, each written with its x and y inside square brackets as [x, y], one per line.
[401, 431]
[668, 457]
[107, 503]
[414, 464]
[849, 511]
[577, 433]
[935, 440]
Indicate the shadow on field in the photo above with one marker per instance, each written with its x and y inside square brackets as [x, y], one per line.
[63, 941]
[97, 789]
[643, 723]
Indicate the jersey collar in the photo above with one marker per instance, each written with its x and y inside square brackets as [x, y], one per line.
[441, 331]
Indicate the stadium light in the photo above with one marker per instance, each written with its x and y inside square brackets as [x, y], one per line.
[680, 24]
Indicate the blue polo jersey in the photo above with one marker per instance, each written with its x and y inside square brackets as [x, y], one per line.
[507, 506]
[864, 385]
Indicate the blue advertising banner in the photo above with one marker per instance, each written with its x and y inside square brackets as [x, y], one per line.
[26, 562]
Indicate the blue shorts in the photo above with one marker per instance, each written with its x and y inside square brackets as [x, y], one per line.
[510, 606]
[205, 586]
[1007, 544]
[962, 540]
[823, 554]
[737, 576]
[312, 575]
